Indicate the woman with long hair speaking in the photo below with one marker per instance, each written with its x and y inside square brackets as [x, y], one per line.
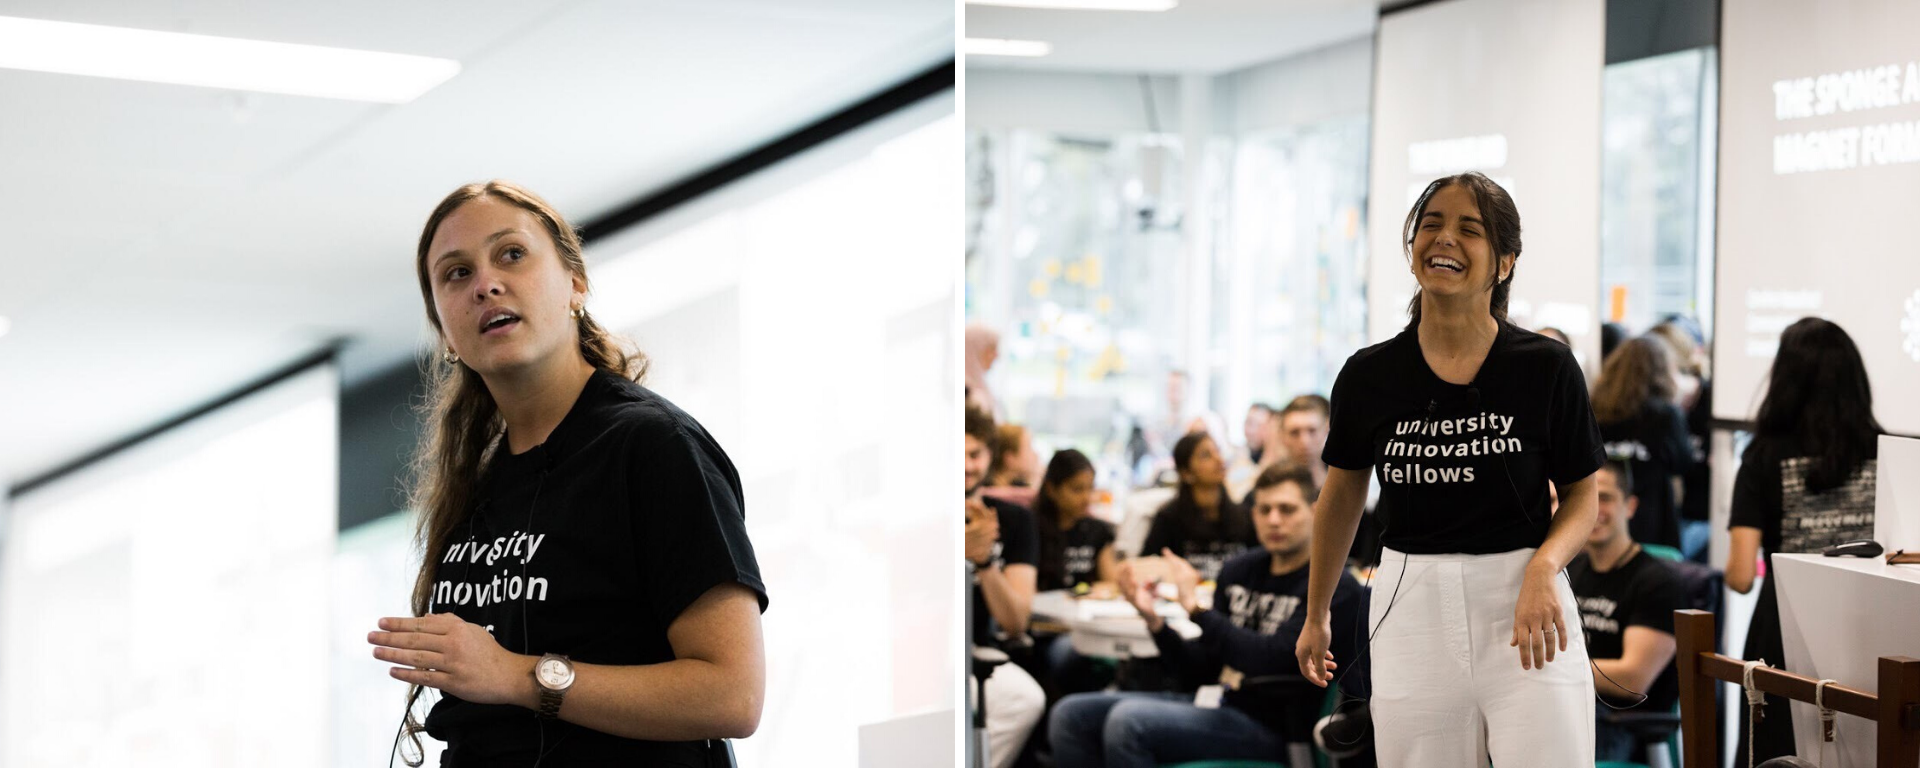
[587, 592]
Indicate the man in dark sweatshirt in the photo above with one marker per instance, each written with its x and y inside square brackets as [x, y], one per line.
[1250, 699]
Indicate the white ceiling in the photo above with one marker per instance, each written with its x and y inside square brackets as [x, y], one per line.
[1199, 36]
[166, 244]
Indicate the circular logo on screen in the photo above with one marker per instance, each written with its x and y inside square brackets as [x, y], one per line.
[1911, 325]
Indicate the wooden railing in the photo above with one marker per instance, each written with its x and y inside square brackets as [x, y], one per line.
[1896, 709]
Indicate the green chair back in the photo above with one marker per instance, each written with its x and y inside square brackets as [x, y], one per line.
[1663, 552]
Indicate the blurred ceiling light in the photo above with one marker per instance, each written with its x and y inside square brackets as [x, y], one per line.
[987, 46]
[218, 62]
[1085, 5]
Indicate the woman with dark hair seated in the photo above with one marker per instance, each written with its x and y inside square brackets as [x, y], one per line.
[1076, 550]
[1200, 524]
[1633, 401]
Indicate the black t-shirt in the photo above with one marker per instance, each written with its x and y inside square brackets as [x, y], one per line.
[1655, 445]
[1770, 493]
[599, 538]
[1696, 481]
[1208, 544]
[1253, 626]
[1464, 469]
[1017, 546]
[1641, 592]
[1079, 555]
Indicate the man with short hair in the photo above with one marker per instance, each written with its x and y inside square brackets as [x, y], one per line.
[1626, 599]
[1001, 549]
[1303, 433]
[1245, 647]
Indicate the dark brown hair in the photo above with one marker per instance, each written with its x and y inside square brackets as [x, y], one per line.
[1502, 221]
[980, 426]
[1308, 404]
[1065, 465]
[463, 422]
[1288, 472]
[1818, 393]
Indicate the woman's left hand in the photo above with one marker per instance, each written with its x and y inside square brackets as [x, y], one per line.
[1537, 626]
[443, 651]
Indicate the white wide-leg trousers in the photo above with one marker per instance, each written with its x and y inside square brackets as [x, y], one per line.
[1448, 690]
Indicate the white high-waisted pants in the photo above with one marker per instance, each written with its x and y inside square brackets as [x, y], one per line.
[1448, 690]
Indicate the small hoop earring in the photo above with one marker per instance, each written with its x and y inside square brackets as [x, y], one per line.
[449, 357]
[578, 312]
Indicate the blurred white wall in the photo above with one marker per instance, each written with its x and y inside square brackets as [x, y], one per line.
[167, 605]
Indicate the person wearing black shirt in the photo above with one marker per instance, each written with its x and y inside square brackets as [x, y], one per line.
[1245, 635]
[1000, 552]
[589, 594]
[1465, 418]
[1075, 547]
[1695, 398]
[1633, 401]
[1076, 550]
[1627, 599]
[1200, 524]
[1806, 482]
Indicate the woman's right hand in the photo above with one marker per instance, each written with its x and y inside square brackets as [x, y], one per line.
[1314, 650]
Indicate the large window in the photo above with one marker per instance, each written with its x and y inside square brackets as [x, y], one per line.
[1289, 275]
[1079, 259]
[1656, 213]
[1076, 262]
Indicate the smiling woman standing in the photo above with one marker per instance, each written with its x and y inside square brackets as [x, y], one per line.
[1468, 419]
[589, 594]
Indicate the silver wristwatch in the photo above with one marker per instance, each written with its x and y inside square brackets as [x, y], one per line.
[553, 674]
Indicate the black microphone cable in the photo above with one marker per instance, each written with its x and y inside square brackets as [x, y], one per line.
[1342, 698]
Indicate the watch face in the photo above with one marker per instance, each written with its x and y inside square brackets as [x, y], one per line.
[554, 673]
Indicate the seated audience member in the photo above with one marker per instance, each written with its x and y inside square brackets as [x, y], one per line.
[1076, 549]
[1247, 460]
[1685, 340]
[1303, 433]
[1633, 401]
[1611, 334]
[1015, 468]
[983, 348]
[1247, 636]
[1200, 524]
[1626, 599]
[1255, 429]
[1001, 552]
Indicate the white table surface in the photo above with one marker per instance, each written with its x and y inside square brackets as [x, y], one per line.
[1109, 628]
[1839, 615]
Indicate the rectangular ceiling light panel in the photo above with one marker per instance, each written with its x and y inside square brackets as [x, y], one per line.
[218, 62]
